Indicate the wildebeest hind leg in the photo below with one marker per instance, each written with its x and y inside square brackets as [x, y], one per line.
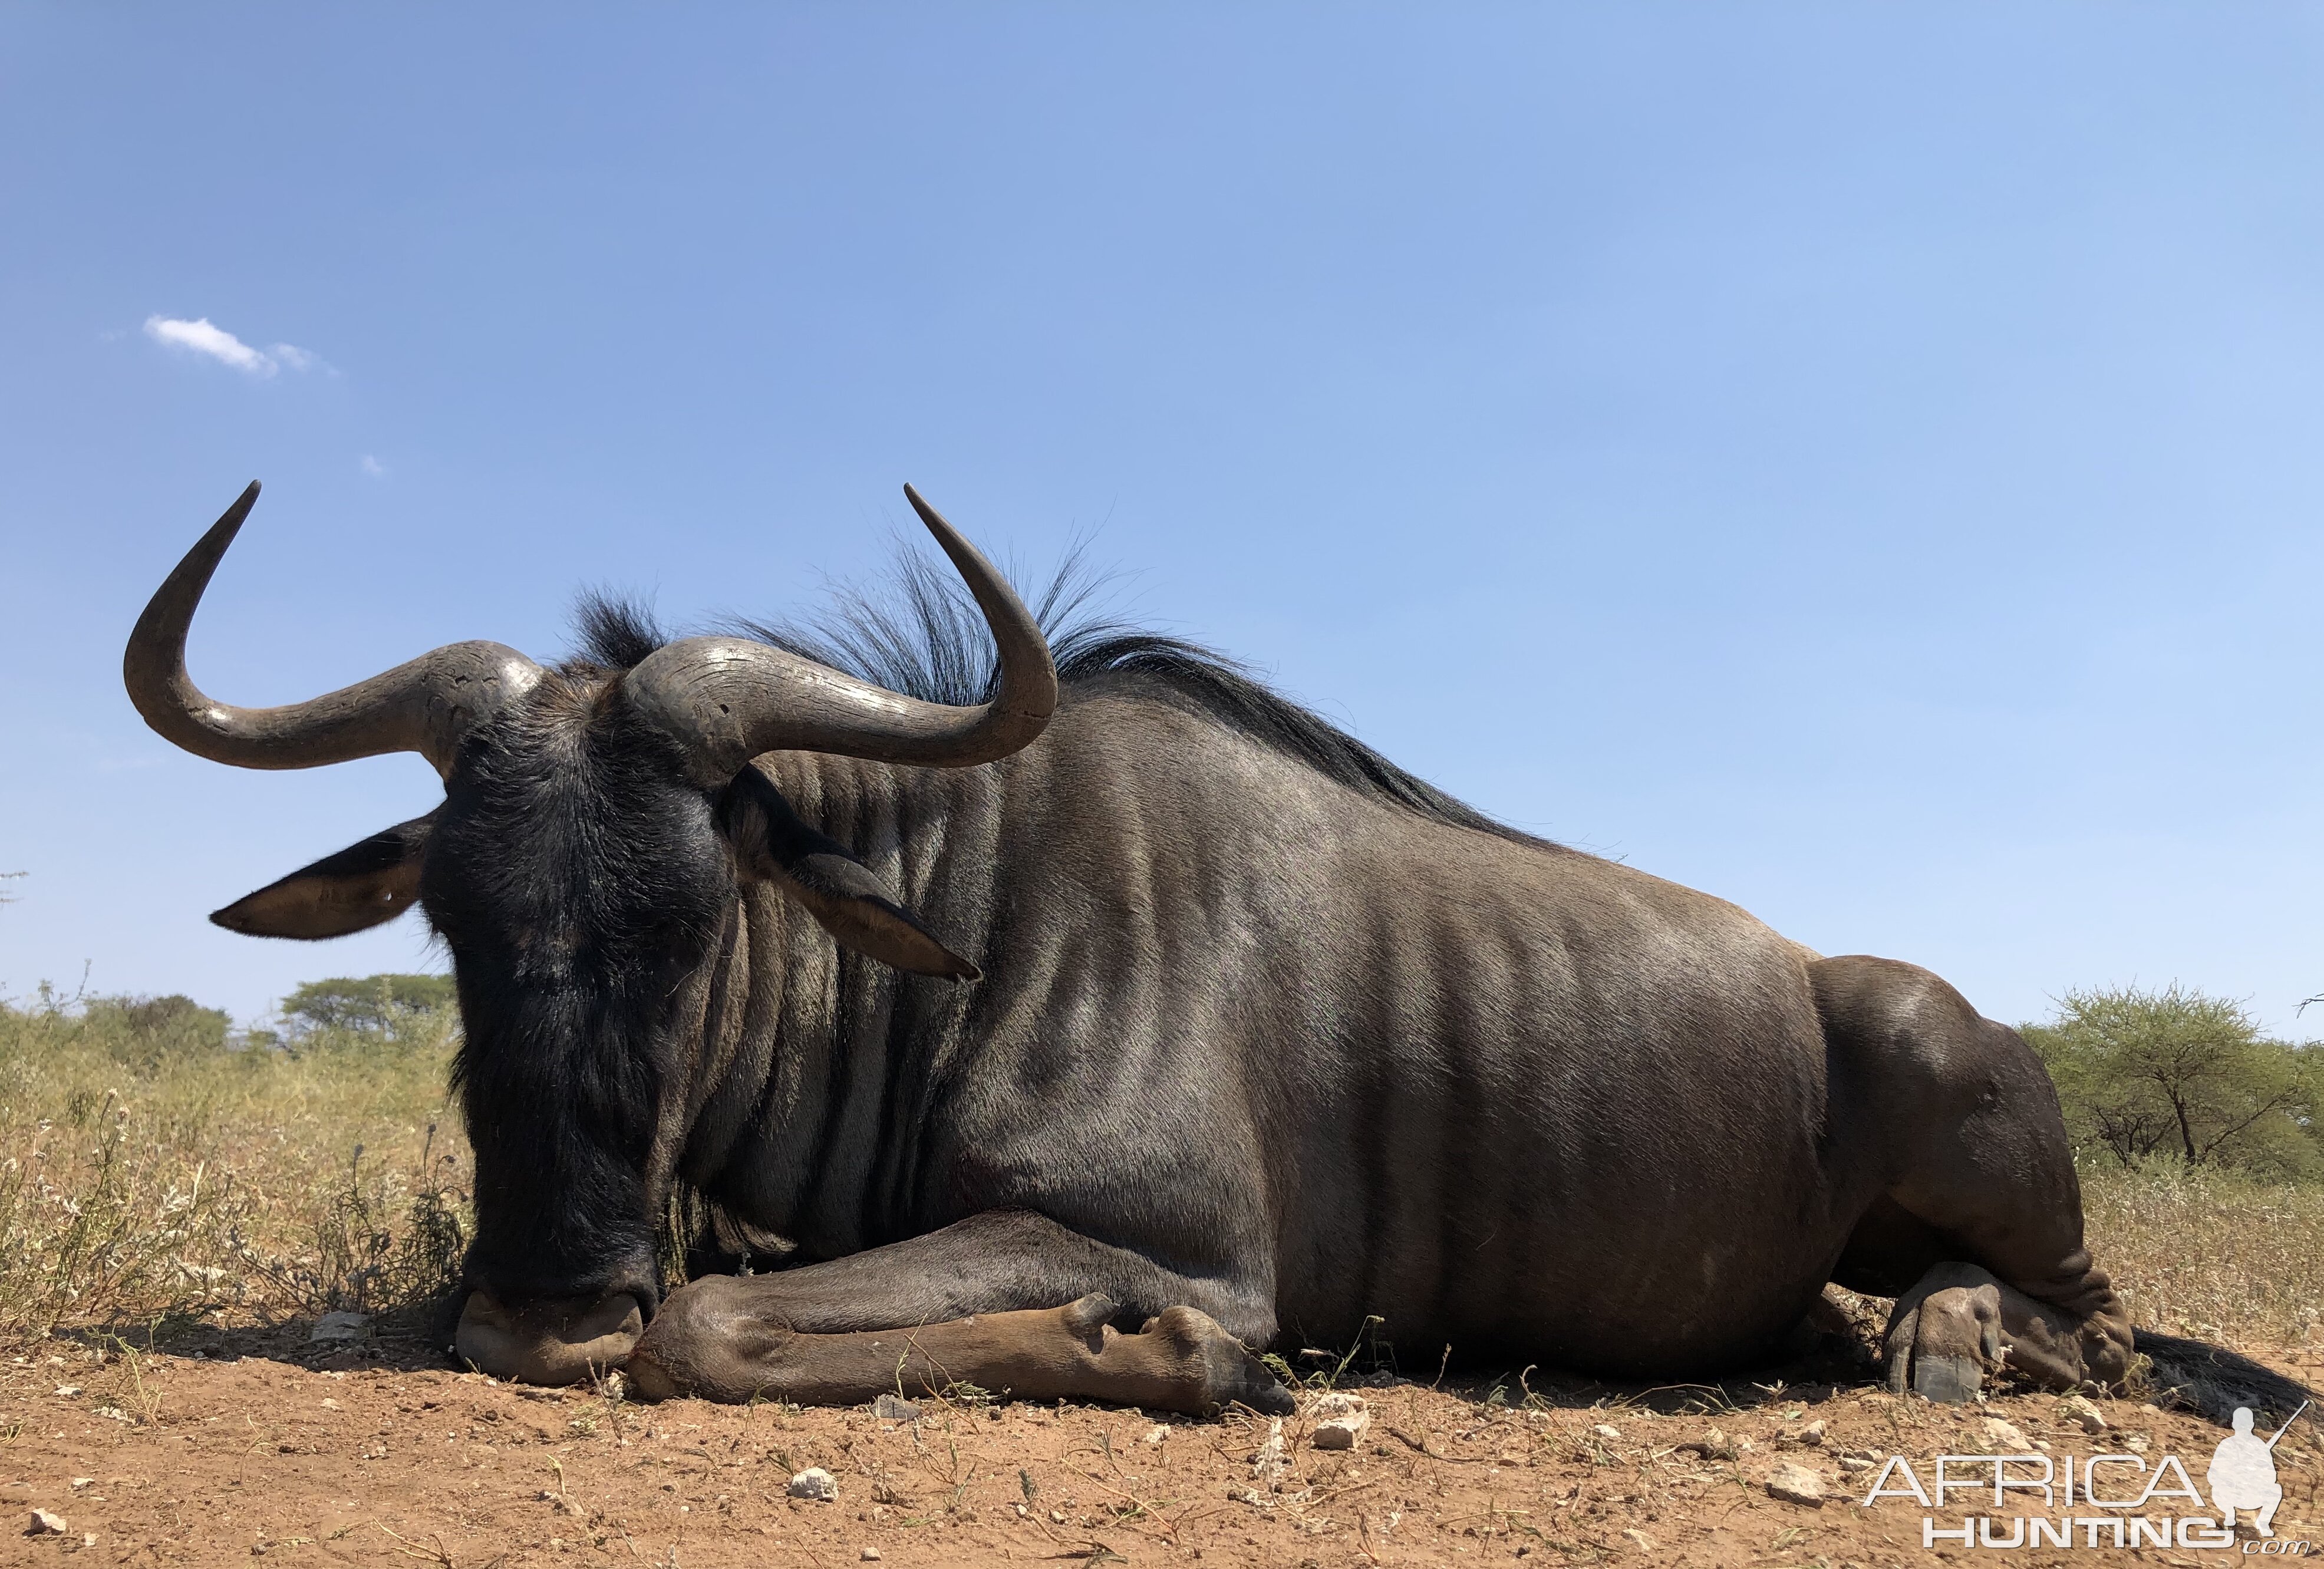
[1978, 1234]
[1959, 1320]
[719, 1348]
[2019, 1289]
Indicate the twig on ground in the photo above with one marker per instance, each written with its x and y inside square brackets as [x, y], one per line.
[410, 1549]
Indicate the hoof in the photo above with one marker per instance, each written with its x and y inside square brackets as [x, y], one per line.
[1946, 1337]
[1225, 1369]
[1947, 1380]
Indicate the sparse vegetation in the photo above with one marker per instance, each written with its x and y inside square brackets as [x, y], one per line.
[152, 1164]
[2212, 1254]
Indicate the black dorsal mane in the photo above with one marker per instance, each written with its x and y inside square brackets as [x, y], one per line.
[918, 633]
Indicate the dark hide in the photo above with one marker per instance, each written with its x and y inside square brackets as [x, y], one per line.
[838, 890]
[1267, 1028]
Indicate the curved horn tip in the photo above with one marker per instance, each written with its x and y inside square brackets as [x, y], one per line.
[934, 519]
[233, 517]
[221, 534]
[418, 706]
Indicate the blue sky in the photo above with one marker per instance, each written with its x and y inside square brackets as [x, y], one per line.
[1861, 461]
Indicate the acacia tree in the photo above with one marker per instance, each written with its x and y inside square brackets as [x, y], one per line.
[384, 1006]
[2178, 1073]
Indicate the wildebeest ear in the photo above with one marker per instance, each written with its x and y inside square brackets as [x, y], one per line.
[369, 881]
[839, 890]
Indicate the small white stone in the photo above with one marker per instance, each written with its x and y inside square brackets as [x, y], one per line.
[1812, 1433]
[895, 1408]
[815, 1483]
[1607, 1432]
[1339, 1420]
[2084, 1413]
[2006, 1436]
[45, 1524]
[1157, 1433]
[1796, 1484]
[870, 1555]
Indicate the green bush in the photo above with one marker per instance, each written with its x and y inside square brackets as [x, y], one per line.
[142, 1033]
[2178, 1076]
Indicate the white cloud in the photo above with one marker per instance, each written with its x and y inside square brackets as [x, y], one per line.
[372, 467]
[203, 337]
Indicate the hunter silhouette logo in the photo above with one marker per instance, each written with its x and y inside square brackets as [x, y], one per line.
[2243, 1473]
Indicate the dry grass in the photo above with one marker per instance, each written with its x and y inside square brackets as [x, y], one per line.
[141, 1181]
[2213, 1255]
[138, 1182]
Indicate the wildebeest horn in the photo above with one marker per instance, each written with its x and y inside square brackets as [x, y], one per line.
[423, 706]
[727, 699]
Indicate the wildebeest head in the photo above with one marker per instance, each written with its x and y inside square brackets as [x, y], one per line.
[596, 827]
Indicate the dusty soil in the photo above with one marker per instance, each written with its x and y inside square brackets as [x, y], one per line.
[267, 1445]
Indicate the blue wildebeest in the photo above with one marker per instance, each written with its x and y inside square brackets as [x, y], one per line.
[1078, 1040]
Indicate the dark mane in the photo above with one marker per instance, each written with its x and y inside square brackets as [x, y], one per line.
[615, 632]
[920, 634]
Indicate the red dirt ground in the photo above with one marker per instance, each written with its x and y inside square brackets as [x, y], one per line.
[268, 1447]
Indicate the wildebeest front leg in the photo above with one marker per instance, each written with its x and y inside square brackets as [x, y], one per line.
[1002, 1300]
[719, 1348]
